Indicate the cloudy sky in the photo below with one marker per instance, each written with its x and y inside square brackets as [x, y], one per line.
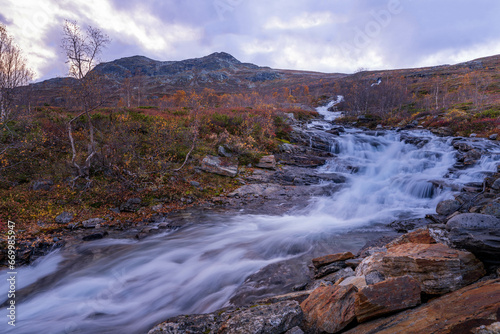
[318, 35]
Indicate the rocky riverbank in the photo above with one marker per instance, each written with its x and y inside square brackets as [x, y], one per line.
[441, 276]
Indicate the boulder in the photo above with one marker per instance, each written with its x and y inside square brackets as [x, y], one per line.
[64, 218]
[492, 208]
[327, 259]
[329, 309]
[260, 319]
[394, 294]
[329, 268]
[92, 223]
[437, 267]
[477, 233]
[447, 207]
[268, 162]
[457, 312]
[219, 165]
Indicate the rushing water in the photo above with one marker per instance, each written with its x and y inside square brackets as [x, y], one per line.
[126, 286]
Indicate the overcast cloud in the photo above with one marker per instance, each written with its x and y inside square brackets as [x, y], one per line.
[320, 35]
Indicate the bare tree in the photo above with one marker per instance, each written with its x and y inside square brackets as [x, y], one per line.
[14, 72]
[82, 50]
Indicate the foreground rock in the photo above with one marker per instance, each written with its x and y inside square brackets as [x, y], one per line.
[261, 319]
[458, 312]
[329, 309]
[477, 233]
[437, 267]
[386, 297]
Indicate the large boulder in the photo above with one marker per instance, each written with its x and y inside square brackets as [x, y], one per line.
[457, 312]
[394, 294]
[437, 267]
[477, 233]
[329, 309]
[219, 165]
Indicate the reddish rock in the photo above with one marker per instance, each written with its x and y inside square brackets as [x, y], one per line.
[327, 259]
[457, 312]
[386, 297]
[438, 268]
[420, 236]
[329, 308]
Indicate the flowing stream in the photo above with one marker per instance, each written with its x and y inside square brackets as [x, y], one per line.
[127, 286]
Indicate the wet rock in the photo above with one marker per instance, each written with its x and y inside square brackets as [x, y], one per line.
[197, 323]
[329, 309]
[327, 259]
[264, 190]
[330, 268]
[219, 165]
[477, 233]
[131, 205]
[274, 318]
[341, 274]
[92, 223]
[496, 184]
[493, 136]
[386, 297]
[42, 185]
[267, 162]
[438, 268]
[404, 226]
[64, 217]
[457, 312]
[447, 207]
[95, 236]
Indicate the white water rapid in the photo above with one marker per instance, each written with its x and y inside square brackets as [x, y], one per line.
[127, 286]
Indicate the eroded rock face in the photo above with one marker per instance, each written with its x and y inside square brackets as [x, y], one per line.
[438, 268]
[219, 165]
[329, 309]
[388, 296]
[458, 312]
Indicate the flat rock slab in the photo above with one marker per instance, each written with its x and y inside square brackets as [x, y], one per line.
[438, 268]
[327, 259]
[457, 312]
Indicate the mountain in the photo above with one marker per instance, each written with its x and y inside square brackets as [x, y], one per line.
[223, 73]
[219, 71]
